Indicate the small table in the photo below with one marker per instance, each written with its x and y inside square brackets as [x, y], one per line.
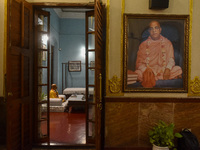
[75, 101]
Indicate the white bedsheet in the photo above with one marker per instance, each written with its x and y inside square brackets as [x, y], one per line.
[77, 91]
[76, 98]
[61, 108]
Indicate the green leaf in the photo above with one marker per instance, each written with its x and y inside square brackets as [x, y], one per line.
[162, 134]
[178, 135]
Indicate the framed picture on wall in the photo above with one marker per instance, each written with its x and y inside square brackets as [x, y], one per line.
[74, 66]
[92, 64]
[155, 53]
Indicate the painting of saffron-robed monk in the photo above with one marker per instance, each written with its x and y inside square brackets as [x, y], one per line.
[156, 53]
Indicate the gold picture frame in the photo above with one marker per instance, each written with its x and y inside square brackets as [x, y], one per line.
[139, 32]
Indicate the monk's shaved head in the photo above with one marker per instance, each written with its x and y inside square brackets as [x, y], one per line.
[154, 30]
[53, 86]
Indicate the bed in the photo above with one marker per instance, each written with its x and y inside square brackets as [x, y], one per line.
[70, 91]
[56, 104]
[73, 88]
[56, 108]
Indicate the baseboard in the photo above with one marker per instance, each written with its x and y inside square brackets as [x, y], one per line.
[133, 148]
[130, 148]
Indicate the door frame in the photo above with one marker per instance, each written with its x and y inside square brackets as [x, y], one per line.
[52, 63]
[75, 5]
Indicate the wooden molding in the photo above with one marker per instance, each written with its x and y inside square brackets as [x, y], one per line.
[71, 5]
[125, 148]
[154, 100]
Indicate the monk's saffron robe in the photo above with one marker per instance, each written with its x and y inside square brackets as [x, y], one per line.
[156, 55]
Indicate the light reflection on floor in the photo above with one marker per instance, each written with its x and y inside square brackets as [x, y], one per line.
[67, 128]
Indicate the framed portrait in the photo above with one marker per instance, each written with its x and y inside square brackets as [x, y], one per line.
[74, 66]
[155, 53]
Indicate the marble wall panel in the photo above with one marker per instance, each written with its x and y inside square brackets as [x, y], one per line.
[121, 125]
[127, 123]
[187, 115]
[149, 115]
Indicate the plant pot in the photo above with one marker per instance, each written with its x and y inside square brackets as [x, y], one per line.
[159, 148]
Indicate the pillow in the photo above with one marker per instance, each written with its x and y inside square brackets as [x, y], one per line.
[62, 97]
[55, 102]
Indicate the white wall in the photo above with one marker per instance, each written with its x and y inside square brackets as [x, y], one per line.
[115, 38]
[195, 44]
[142, 7]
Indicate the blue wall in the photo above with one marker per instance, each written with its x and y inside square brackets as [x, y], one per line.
[72, 43]
[68, 35]
[54, 40]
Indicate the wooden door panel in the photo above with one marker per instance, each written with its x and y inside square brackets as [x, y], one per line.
[90, 100]
[27, 42]
[99, 71]
[15, 76]
[19, 76]
[26, 75]
[14, 125]
[41, 71]
[26, 127]
[94, 25]
[19, 127]
[15, 23]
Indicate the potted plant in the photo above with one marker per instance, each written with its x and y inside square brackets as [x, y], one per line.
[44, 96]
[162, 136]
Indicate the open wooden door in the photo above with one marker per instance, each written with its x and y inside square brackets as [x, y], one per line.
[94, 55]
[19, 70]
[41, 71]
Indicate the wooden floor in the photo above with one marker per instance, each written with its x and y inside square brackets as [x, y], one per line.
[67, 128]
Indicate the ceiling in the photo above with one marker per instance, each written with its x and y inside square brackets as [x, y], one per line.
[78, 13]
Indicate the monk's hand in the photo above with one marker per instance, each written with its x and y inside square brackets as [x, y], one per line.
[148, 78]
[166, 74]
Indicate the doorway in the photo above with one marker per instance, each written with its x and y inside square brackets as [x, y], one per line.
[25, 95]
[69, 39]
